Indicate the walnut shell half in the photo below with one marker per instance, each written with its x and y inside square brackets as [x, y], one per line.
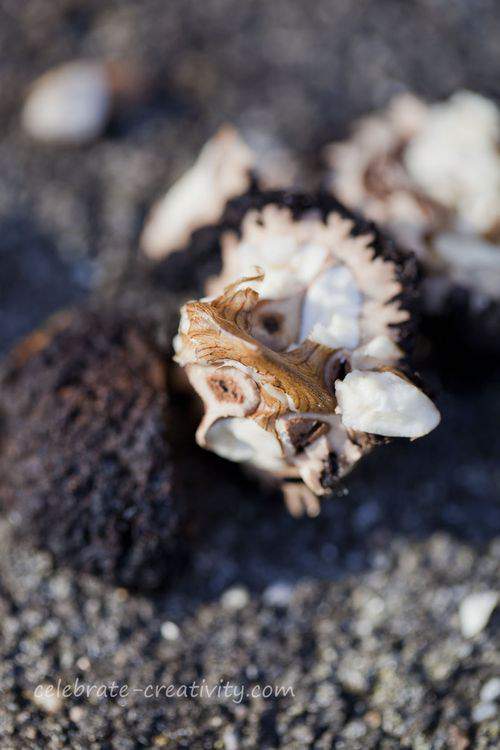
[281, 356]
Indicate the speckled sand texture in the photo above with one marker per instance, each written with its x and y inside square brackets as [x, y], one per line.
[358, 611]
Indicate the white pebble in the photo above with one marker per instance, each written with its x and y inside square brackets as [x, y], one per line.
[278, 594]
[170, 631]
[475, 611]
[83, 663]
[76, 714]
[230, 740]
[236, 597]
[355, 729]
[47, 699]
[69, 104]
[490, 690]
[484, 711]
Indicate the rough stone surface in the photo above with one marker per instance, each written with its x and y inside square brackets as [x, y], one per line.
[370, 637]
[87, 470]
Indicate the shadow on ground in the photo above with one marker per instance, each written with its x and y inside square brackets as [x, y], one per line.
[447, 482]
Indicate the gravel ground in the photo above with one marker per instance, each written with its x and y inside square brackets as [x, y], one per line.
[358, 611]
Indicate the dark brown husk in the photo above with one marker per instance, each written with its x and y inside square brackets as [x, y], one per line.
[86, 467]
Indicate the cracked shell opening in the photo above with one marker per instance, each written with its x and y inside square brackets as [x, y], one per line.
[320, 281]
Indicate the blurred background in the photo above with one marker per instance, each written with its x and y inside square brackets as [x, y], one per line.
[359, 610]
[71, 216]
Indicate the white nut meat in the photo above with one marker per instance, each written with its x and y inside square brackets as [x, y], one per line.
[384, 403]
[223, 170]
[454, 158]
[431, 175]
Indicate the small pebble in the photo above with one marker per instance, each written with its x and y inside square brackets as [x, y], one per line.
[278, 594]
[354, 730]
[170, 631]
[490, 691]
[160, 740]
[457, 738]
[69, 104]
[83, 663]
[236, 597]
[121, 594]
[484, 711]
[475, 611]
[230, 740]
[76, 714]
[46, 698]
[373, 719]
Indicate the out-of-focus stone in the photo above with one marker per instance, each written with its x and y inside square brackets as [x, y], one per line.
[69, 104]
[475, 611]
